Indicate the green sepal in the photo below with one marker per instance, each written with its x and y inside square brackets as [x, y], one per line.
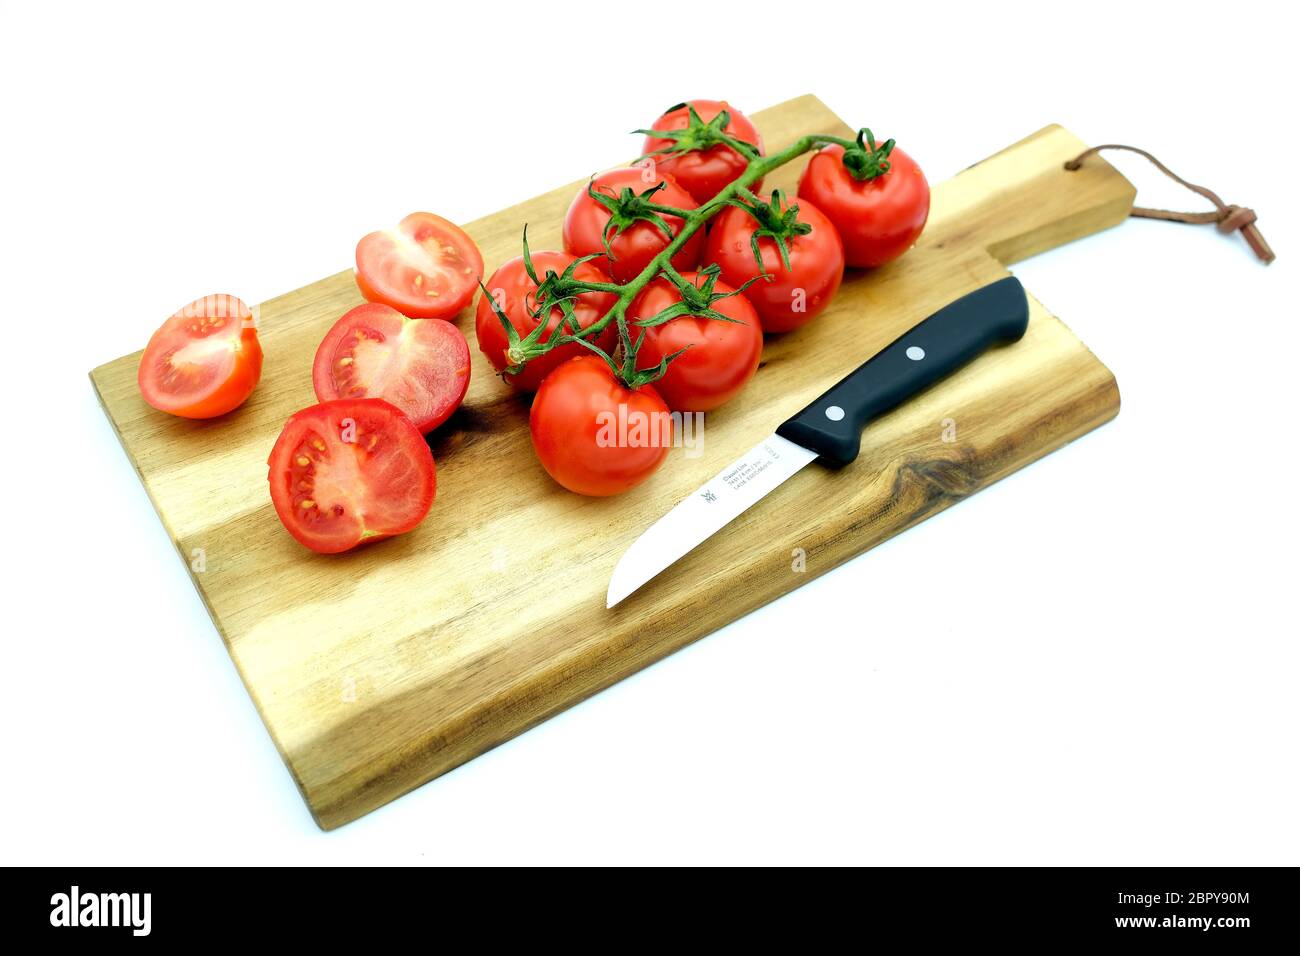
[626, 208]
[864, 159]
[613, 367]
[774, 222]
[512, 335]
[698, 135]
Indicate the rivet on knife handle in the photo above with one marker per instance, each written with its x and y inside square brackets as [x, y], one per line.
[955, 335]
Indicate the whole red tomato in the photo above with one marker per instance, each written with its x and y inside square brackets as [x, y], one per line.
[633, 241]
[515, 294]
[720, 357]
[878, 217]
[593, 434]
[785, 298]
[706, 172]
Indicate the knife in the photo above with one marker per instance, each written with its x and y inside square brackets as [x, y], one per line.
[831, 427]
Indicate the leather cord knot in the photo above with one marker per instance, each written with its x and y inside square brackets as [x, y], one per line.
[1236, 217]
[1226, 218]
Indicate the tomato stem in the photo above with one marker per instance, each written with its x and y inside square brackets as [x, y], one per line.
[560, 290]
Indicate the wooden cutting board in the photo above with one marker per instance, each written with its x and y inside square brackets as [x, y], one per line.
[376, 671]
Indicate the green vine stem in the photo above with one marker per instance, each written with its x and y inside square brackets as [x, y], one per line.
[560, 290]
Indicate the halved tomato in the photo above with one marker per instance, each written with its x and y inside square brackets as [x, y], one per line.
[427, 267]
[204, 361]
[373, 351]
[350, 471]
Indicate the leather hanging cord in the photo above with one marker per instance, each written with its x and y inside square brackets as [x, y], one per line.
[1227, 218]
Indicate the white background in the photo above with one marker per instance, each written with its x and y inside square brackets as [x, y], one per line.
[1093, 662]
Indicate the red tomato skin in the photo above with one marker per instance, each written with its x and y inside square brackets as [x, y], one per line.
[427, 394]
[878, 219]
[634, 247]
[720, 358]
[397, 510]
[705, 173]
[236, 386]
[515, 292]
[419, 227]
[816, 266]
[573, 428]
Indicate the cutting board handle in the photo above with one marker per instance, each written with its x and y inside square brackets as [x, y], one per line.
[1022, 201]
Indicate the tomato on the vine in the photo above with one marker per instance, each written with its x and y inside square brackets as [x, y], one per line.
[633, 240]
[427, 267]
[204, 361]
[785, 298]
[718, 356]
[373, 351]
[350, 471]
[514, 293]
[879, 216]
[704, 172]
[593, 434]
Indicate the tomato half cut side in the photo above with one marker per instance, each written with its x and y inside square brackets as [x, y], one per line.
[204, 361]
[427, 267]
[350, 471]
[373, 351]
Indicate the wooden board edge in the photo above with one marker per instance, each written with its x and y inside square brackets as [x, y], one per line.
[198, 587]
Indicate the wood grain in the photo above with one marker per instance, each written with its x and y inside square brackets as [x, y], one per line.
[378, 670]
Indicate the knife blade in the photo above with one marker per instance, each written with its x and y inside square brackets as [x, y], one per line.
[830, 428]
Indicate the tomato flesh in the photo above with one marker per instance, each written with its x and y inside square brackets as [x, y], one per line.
[373, 351]
[514, 292]
[635, 245]
[426, 268]
[878, 219]
[204, 361]
[704, 173]
[784, 298]
[349, 471]
[593, 434]
[720, 358]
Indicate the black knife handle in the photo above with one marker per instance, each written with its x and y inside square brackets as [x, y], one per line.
[832, 425]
